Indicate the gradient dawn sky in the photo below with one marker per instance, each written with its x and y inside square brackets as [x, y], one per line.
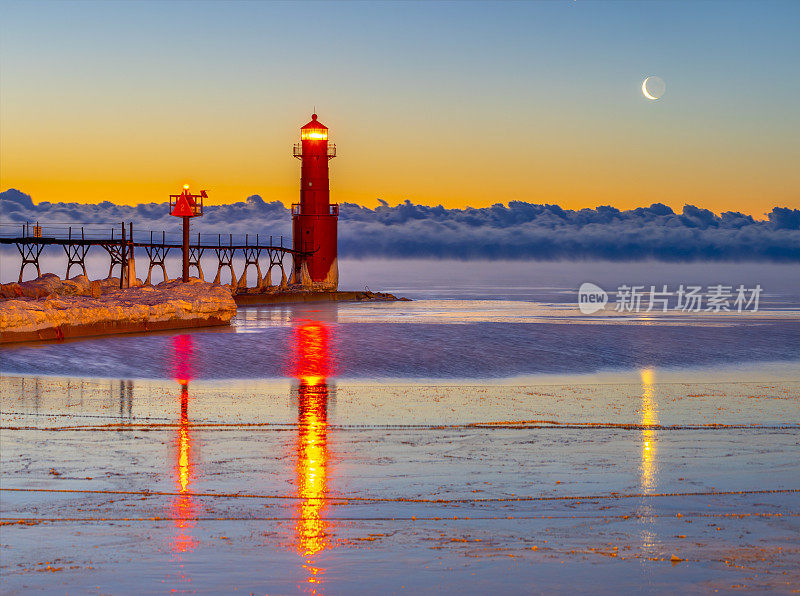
[458, 103]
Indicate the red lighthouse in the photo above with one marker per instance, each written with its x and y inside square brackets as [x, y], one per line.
[314, 218]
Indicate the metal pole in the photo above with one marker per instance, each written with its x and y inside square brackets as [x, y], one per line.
[185, 249]
[130, 239]
[123, 249]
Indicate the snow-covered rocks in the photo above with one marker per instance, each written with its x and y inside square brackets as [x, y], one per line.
[50, 308]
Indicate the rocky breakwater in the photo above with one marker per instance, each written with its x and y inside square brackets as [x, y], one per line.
[299, 293]
[50, 308]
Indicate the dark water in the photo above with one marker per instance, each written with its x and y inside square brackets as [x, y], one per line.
[420, 350]
[467, 320]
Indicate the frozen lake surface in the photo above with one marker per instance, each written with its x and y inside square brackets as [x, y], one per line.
[486, 437]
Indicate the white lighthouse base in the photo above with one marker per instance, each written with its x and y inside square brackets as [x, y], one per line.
[331, 281]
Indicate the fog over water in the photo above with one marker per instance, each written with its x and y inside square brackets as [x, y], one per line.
[468, 319]
[514, 230]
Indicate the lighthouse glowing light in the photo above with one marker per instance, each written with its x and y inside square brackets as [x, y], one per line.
[313, 135]
[314, 218]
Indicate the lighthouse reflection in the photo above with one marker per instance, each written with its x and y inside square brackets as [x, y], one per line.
[311, 368]
[183, 509]
[649, 451]
[649, 443]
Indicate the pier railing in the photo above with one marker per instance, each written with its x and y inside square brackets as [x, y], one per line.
[120, 240]
[95, 233]
[12, 233]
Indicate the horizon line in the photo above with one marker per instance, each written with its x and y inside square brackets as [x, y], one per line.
[764, 216]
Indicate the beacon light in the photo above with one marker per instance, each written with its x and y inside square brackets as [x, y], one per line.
[314, 135]
[186, 186]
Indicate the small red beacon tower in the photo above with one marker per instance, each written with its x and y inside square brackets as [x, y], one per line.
[314, 218]
[186, 205]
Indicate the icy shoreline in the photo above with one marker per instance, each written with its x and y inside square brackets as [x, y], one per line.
[50, 308]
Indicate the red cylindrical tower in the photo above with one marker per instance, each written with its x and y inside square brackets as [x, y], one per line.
[314, 218]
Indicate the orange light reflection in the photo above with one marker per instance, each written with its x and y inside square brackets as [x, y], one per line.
[649, 442]
[182, 358]
[312, 462]
[648, 467]
[311, 366]
[311, 363]
[183, 509]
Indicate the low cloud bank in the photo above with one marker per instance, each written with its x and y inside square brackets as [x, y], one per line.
[516, 230]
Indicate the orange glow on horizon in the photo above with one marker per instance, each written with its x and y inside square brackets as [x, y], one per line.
[422, 192]
[593, 174]
[368, 169]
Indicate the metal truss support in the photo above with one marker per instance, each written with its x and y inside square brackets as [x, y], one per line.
[225, 259]
[30, 251]
[76, 255]
[157, 254]
[251, 256]
[119, 256]
[275, 260]
[195, 254]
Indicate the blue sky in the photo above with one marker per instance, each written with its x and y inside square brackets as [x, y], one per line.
[455, 103]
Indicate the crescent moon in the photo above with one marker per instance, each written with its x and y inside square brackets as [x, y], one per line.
[644, 89]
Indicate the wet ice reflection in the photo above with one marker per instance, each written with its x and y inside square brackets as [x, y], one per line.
[183, 506]
[737, 434]
[649, 465]
[310, 367]
[183, 509]
[649, 439]
[312, 476]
